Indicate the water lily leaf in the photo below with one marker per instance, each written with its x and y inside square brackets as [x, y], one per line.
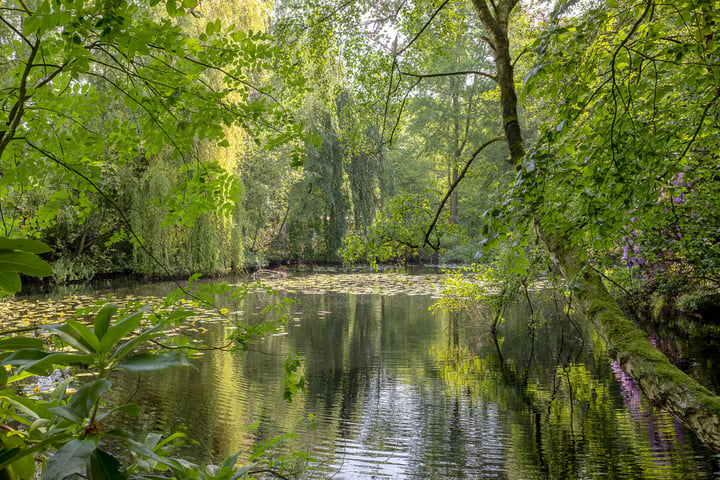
[70, 459]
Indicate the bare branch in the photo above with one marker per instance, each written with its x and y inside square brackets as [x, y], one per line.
[17, 110]
[524, 51]
[450, 74]
[455, 184]
[17, 32]
[402, 108]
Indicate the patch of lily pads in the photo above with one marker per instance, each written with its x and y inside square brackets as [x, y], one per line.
[360, 283]
[30, 313]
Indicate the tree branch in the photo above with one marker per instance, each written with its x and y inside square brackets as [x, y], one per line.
[417, 35]
[17, 32]
[455, 184]
[17, 110]
[450, 74]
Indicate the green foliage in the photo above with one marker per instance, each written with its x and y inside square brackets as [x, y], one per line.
[496, 284]
[399, 232]
[630, 154]
[20, 256]
[69, 428]
[121, 88]
[293, 381]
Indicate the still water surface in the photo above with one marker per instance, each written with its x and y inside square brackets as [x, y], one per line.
[396, 391]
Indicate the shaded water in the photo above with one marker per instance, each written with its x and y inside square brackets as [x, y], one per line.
[394, 391]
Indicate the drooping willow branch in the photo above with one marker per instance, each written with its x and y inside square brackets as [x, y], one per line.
[125, 220]
[454, 185]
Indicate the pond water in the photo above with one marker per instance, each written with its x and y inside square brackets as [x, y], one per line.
[397, 391]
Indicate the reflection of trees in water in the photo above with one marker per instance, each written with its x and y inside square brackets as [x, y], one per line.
[565, 420]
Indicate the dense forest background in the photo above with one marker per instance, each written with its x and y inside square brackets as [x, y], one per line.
[242, 134]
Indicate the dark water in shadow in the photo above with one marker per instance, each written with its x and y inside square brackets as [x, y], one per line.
[394, 391]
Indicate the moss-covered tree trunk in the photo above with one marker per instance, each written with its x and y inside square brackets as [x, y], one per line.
[663, 383]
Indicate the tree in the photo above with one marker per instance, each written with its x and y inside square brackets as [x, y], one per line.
[95, 88]
[662, 382]
[639, 127]
[561, 206]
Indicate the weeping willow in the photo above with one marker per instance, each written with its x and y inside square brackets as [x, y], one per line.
[213, 241]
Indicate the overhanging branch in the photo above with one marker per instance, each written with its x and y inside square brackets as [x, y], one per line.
[450, 74]
[454, 185]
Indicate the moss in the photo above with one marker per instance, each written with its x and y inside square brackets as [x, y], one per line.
[664, 383]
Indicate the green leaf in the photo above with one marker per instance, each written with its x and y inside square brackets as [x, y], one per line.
[27, 263]
[131, 409]
[24, 467]
[84, 400]
[10, 282]
[7, 453]
[40, 361]
[23, 245]
[120, 330]
[85, 333]
[102, 319]
[104, 466]
[24, 404]
[178, 317]
[144, 362]
[71, 336]
[70, 459]
[24, 355]
[66, 412]
[3, 376]
[16, 343]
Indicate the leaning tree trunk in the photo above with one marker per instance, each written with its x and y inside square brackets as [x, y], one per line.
[662, 382]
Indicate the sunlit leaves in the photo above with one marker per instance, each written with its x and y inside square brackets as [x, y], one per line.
[399, 232]
[636, 97]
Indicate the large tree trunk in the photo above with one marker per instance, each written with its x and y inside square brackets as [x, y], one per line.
[662, 382]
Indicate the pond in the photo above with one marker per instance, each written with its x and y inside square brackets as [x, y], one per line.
[397, 391]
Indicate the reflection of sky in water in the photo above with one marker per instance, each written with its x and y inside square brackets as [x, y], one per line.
[397, 434]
